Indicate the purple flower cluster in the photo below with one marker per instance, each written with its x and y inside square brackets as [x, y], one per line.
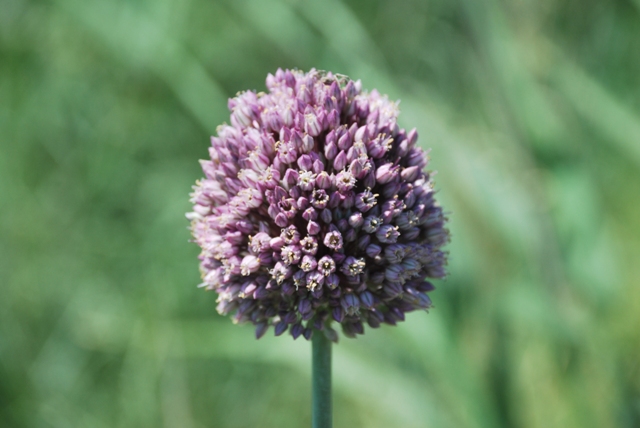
[316, 207]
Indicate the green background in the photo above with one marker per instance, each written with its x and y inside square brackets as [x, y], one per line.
[531, 107]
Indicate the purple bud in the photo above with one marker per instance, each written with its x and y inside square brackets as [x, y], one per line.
[356, 220]
[291, 177]
[296, 330]
[338, 314]
[373, 250]
[386, 173]
[358, 327]
[416, 157]
[287, 153]
[340, 161]
[410, 199]
[304, 94]
[318, 324]
[334, 200]
[313, 228]
[276, 243]
[281, 327]
[305, 162]
[261, 293]
[366, 298]
[412, 137]
[347, 200]
[425, 286]
[350, 236]
[377, 278]
[323, 180]
[330, 149]
[350, 303]
[398, 314]
[369, 179]
[392, 289]
[394, 273]
[236, 238]
[344, 142]
[249, 265]
[317, 166]
[363, 242]
[244, 227]
[411, 234]
[394, 253]
[302, 203]
[307, 144]
[351, 90]
[261, 329]
[373, 321]
[326, 216]
[356, 167]
[312, 124]
[348, 330]
[332, 281]
[310, 214]
[391, 189]
[304, 306]
[410, 174]
[288, 288]
[339, 258]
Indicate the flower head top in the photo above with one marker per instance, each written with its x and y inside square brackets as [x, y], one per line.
[315, 206]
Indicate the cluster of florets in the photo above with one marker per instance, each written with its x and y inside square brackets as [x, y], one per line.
[316, 207]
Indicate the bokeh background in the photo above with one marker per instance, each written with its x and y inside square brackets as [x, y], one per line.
[531, 107]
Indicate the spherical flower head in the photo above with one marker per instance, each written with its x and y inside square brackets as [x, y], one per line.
[316, 208]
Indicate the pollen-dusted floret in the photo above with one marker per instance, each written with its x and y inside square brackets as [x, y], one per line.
[315, 207]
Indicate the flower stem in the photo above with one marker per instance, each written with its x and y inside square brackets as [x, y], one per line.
[321, 381]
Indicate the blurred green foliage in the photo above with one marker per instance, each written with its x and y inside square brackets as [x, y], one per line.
[532, 109]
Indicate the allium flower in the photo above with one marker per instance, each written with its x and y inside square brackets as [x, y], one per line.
[316, 207]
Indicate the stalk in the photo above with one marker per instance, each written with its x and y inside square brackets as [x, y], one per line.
[321, 414]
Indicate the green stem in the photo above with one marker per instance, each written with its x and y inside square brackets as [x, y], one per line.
[321, 381]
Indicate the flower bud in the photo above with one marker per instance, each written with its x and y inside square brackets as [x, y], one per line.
[356, 220]
[323, 180]
[310, 214]
[340, 161]
[313, 228]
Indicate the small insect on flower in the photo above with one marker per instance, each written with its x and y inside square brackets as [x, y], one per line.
[315, 208]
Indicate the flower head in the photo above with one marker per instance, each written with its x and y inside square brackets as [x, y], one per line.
[315, 207]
